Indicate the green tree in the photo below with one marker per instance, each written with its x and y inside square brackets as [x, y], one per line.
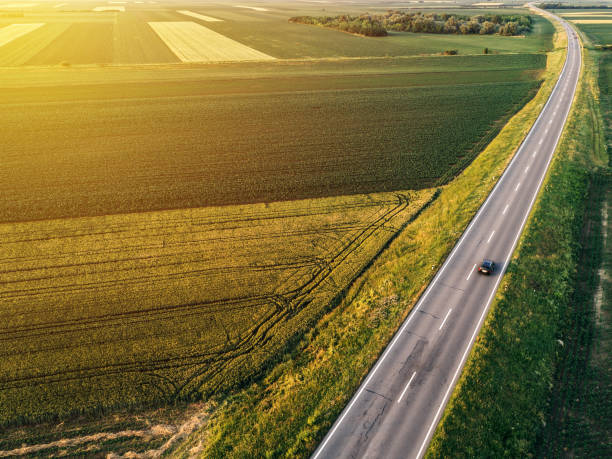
[487, 28]
[451, 25]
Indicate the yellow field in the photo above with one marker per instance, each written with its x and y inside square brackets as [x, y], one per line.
[21, 51]
[254, 8]
[161, 305]
[587, 13]
[193, 42]
[98, 9]
[199, 16]
[18, 5]
[592, 21]
[14, 31]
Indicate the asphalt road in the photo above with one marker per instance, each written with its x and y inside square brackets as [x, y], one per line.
[396, 409]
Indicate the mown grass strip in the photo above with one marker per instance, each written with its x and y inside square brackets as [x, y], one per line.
[308, 389]
[501, 401]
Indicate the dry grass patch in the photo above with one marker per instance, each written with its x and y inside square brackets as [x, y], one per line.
[193, 42]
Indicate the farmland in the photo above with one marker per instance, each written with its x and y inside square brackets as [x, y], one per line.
[171, 225]
[202, 144]
[174, 303]
[126, 38]
[14, 31]
[154, 291]
[193, 43]
[597, 25]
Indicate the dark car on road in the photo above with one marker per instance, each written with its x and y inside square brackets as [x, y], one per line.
[486, 267]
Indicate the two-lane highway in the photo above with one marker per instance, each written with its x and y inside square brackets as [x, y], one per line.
[399, 404]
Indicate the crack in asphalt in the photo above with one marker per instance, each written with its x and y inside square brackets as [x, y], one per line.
[380, 395]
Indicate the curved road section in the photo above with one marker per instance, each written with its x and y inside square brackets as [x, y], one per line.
[399, 404]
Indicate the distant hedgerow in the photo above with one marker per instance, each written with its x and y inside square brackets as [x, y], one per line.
[377, 25]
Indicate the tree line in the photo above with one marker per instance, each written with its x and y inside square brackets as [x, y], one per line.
[378, 25]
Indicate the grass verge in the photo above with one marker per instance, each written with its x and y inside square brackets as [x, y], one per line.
[307, 390]
[502, 399]
[579, 421]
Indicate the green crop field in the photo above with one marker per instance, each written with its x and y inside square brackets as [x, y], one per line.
[599, 33]
[169, 229]
[165, 145]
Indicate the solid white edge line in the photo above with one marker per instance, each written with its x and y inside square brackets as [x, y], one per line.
[471, 272]
[490, 237]
[461, 363]
[406, 388]
[446, 263]
[445, 317]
